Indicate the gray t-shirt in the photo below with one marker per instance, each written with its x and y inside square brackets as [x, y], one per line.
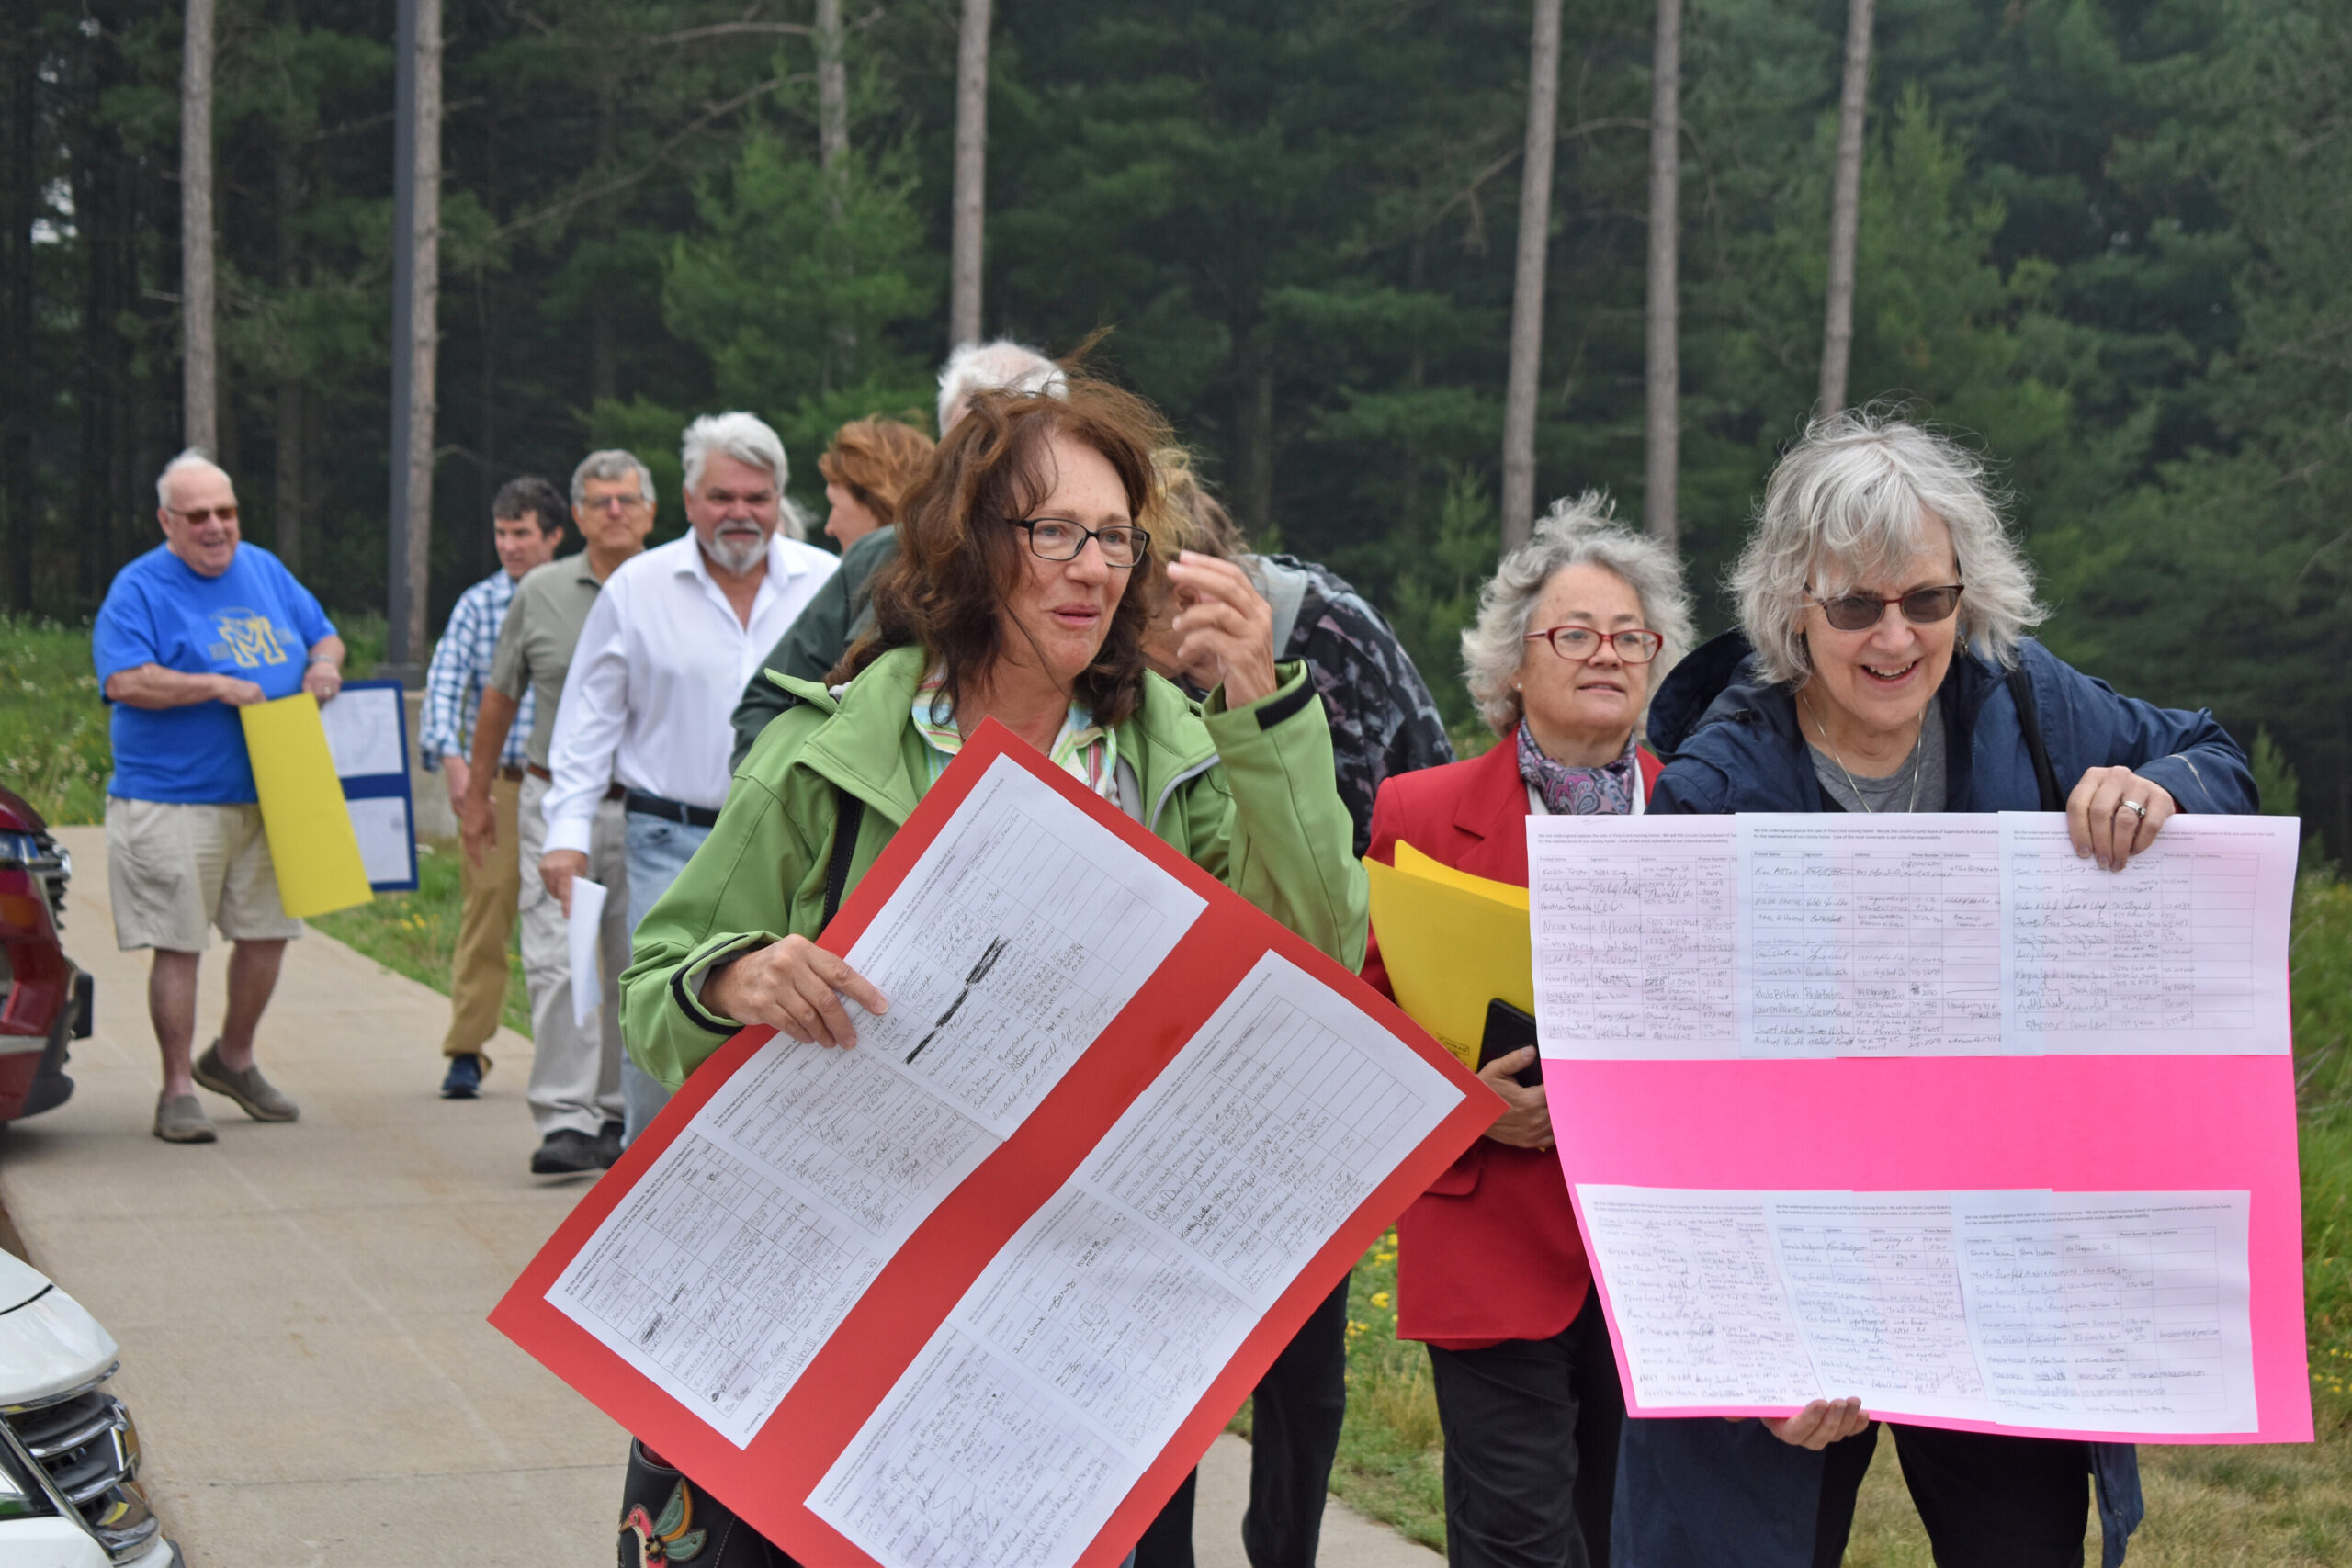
[1916, 785]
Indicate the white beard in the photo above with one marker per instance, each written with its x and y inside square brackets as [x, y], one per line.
[734, 553]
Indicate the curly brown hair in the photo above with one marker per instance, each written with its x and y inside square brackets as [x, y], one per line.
[878, 461]
[956, 562]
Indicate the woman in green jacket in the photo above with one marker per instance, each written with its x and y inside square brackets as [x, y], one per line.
[1021, 593]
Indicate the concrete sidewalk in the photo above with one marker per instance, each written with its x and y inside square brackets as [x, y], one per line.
[300, 1307]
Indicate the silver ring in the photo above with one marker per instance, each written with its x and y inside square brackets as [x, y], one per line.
[2136, 806]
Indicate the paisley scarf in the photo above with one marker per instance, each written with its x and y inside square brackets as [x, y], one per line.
[1604, 791]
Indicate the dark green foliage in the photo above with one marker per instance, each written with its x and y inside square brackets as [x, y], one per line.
[2101, 238]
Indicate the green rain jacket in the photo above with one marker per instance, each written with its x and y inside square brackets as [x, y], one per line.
[1246, 795]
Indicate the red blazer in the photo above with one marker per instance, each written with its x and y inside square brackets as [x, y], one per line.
[1490, 1252]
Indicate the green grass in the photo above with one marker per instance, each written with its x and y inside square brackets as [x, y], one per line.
[54, 746]
[416, 933]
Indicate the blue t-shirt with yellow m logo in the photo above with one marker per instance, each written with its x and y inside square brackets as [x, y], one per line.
[253, 622]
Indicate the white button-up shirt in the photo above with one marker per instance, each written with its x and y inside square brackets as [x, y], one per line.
[662, 662]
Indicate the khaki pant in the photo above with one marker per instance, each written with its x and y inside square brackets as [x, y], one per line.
[575, 1072]
[175, 870]
[477, 969]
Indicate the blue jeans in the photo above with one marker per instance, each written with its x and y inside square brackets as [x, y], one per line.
[657, 850]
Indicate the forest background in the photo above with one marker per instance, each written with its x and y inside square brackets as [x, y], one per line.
[2104, 239]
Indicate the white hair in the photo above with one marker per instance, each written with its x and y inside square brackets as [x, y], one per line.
[748, 439]
[1850, 504]
[190, 458]
[612, 463]
[1003, 366]
[1582, 532]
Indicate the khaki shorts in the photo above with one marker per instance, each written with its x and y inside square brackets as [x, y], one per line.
[174, 868]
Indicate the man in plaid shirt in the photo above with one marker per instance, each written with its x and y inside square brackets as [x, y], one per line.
[527, 515]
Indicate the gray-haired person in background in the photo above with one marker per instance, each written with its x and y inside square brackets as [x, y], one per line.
[665, 649]
[575, 1088]
[196, 627]
[841, 609]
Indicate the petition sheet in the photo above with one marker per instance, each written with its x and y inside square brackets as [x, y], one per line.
[2099, 1312]
[1020, 932]
[1018, 936]
[2184, 951]
[583, 927]
[1073, 1359]
[1636, 930]
[1811, 936]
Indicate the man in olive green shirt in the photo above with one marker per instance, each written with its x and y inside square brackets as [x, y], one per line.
[575, 1092]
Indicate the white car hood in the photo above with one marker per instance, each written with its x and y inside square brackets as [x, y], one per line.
[19, 1281]
[48, 1345]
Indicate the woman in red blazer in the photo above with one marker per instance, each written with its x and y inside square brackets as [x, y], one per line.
[1572, 634]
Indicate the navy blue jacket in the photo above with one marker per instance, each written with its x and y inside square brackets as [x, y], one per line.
[1731, 743]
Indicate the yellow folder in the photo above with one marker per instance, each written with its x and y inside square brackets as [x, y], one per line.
[1452, 943]
[302, 812]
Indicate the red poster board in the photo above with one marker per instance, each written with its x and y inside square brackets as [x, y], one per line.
[768, 1480]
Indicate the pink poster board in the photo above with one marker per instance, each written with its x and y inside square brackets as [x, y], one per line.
[1705, 1112]
[2073, 1123]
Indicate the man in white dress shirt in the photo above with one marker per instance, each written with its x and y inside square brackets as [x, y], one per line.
[663, 656]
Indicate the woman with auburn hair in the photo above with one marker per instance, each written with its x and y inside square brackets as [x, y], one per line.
[1019, 594]
[868, 469]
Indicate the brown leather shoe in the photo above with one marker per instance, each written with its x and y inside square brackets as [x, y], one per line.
[256, 1093]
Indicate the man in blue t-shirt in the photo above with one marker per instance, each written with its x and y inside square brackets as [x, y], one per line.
[195, 628]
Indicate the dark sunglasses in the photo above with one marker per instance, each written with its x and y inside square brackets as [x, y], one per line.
[1860, 612]
[204, 514]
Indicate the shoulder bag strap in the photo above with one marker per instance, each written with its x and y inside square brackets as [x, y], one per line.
[849, 811]
[2045, 777]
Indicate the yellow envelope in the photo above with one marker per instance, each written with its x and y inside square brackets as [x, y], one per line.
[1452, 943]
[302, 812]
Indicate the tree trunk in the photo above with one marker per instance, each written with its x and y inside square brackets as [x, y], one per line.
[102, 196]
[1254, 437]
[971, 173]
[289, 474]
[603, 325]
[1845, 211]
[1527, 289]
[1664, 444]
[832, 91]
[415, 338]
[19, 199]
[199, 366]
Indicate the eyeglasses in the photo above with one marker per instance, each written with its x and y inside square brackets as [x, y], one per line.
[1633, 644]
[1860, 612]
[1058, 538]
[614, 503]
[204, 514]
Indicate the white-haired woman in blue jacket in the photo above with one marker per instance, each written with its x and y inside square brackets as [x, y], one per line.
[1882, 664]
